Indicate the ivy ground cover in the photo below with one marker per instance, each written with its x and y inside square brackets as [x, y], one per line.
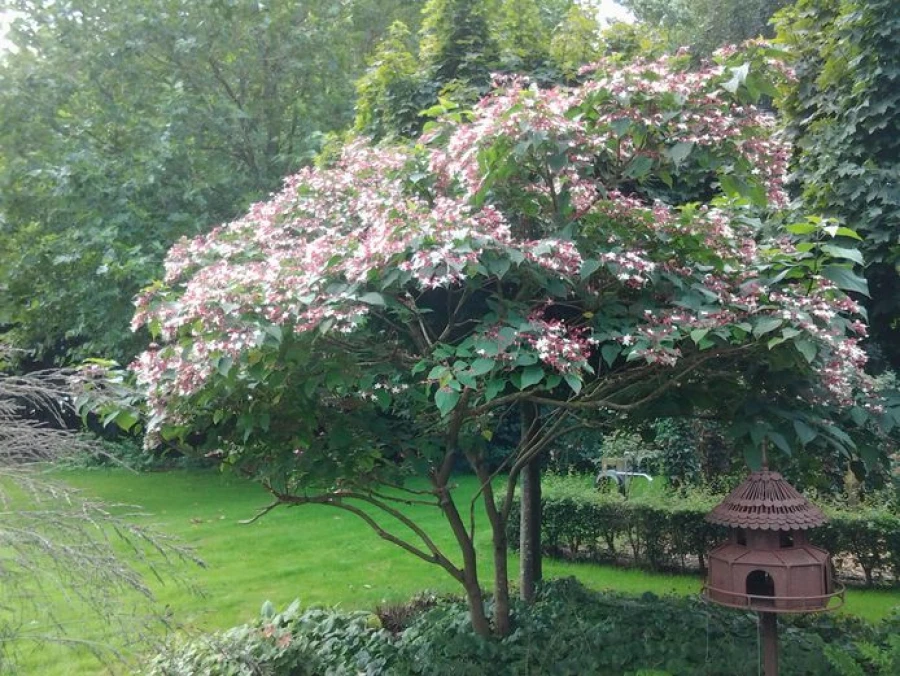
[312, 554]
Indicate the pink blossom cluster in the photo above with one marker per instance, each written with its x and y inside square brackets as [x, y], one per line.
[555, 255]
[632, 268]
[556, 343]
[563, 348]
[819, 314]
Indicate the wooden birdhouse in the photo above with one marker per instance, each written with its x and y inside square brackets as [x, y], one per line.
[768, 564]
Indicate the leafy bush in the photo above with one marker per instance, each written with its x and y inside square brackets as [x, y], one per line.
[569, 630]
[878, 654]
[665, 529]
[311, 642]
[871, 535]
[578, 521]
[126, 451]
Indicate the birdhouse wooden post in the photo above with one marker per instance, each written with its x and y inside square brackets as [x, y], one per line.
[768, 565]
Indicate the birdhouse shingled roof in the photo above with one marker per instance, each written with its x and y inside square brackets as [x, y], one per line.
[765, 501]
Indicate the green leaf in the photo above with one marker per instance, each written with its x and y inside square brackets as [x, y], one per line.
[801, 228]
[446, 400]
[437, 372]
[589, 267]
[846, 279]
[493, 388]
[871, 455]
[774, 342]
[731, 186]
[753, 456]
[467, 379]
[526, 359]
[765, 325]
[807, 348]
[275, 332]
[639, 167]
[224, 365]
[372, 298]
[782, 443]
[125, 420]
[573, 381]
[846, 253]
[679, 152]
[481, 366]
[620, 126]
[532, 375]
[858, 416]
[847, 232]
[805, 433]
[487, 347]
[610, 351]
[698, 334]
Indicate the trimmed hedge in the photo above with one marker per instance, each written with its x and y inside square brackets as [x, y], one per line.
[569, 631]
[668, 530]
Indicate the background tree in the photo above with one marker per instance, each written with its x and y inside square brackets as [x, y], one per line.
[126, 126]
[461, 43]
[391, 94]
[842, 114]
[456, 41]
[706, 25]
[381, 317]
[574, 41]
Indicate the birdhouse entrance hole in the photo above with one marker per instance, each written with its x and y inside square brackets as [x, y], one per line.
[760, 583]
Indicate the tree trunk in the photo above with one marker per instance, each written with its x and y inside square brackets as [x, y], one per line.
[475, 598]
[501, 548]
[530, 514]
[501, 581]
[469, 580]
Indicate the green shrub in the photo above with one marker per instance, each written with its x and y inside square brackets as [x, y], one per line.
[665, 529]
[127, 451]
[569, 630]
[876, 654]
[311, 642]
[573, 631]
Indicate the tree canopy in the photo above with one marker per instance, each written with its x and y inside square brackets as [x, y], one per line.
[706, 25]
[608, 252]
[461, 45]
[842, 114]
[126, 125]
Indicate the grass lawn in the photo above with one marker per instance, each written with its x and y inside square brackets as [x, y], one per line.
[314, 553]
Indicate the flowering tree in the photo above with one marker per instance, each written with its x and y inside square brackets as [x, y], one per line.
[583, 255]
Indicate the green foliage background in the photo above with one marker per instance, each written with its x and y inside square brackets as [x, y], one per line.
[842, 115]
[126, 125]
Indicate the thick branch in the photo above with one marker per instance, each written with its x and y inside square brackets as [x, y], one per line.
[671, 380]
[337, 499]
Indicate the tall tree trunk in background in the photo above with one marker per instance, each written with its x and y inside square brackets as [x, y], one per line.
[530, 515]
